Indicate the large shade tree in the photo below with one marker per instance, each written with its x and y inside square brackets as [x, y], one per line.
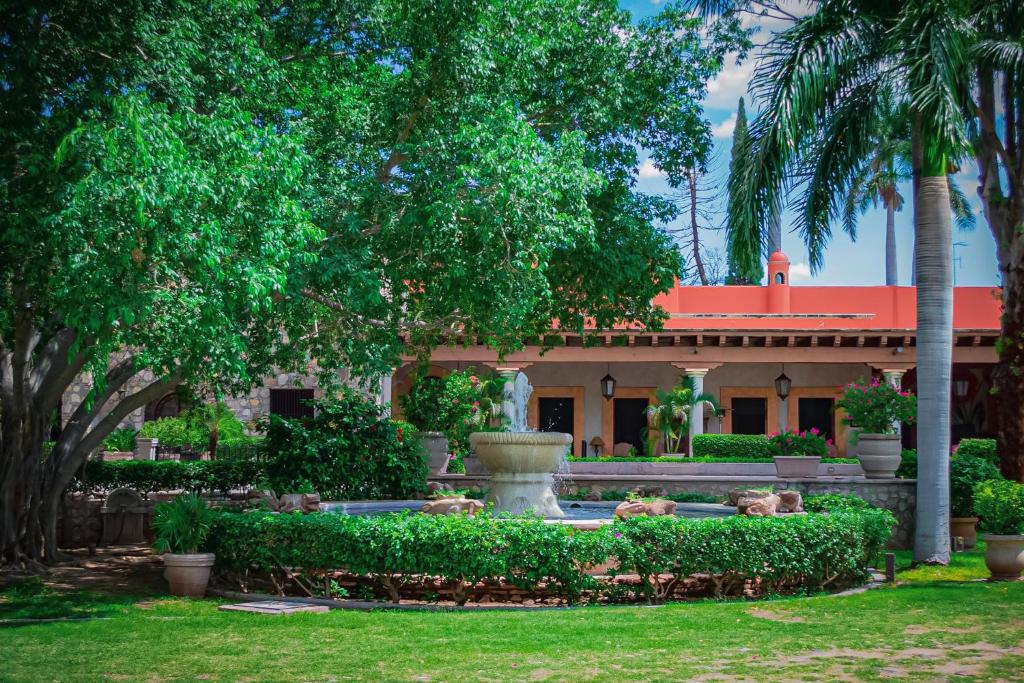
[822, 86]
[194, 192]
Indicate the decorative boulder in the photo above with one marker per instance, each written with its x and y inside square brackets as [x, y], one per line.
[638, 508]
[438, 487]
[452, 506]
[289, 502]
[661, 508]
[736, 494]
[594, 494]
[790, 501]
[759, 507]
[648, 491]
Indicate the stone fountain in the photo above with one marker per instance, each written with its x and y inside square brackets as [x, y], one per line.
[522, 463]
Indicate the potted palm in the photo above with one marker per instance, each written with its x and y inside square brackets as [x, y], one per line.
[798, 454]
[180, 528]
[1000, 504]
[965, 472]
[877, 410]
[670, 415]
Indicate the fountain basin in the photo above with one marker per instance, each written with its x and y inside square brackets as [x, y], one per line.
[522, 467]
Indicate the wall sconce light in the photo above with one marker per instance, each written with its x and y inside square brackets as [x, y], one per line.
[782, 385]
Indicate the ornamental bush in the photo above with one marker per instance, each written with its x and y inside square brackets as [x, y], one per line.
[348, 451]
[457, 405]
[1000, 505]
[834, 502]
[810, 443]
[192, 428]
[783, 553]
[122, 440]
[979, 448]
[965, 472]
[746, 446]
[908, 464]
[878, 407]
[147, 476]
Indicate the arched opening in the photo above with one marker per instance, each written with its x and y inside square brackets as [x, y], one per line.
[780, 279]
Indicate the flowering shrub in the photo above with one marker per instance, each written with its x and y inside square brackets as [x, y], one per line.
[877, 408]
[810, 442]
[457, 405]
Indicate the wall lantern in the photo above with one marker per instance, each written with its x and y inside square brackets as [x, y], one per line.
[608, 386]
[960, 388]
[782, 385]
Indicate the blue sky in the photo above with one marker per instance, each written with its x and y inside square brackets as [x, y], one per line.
[846, 262]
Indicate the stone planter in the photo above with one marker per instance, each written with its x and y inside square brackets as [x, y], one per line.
[145, 449]
[879, 455]
[188, 575]
[473, 465]
[1004, 556]
[966, 528]
[797, 466]
[436, 446]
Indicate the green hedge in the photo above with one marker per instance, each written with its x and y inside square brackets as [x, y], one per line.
[979, 448]
[746, 446]
[832, 461]
[785, 553]
[147, 476]
[834, 502]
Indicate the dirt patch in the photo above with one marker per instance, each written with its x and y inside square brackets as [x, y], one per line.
[772, 615]
[918, 630]
[123, 570]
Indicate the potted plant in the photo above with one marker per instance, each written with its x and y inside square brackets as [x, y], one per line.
[965, 472]
[180, 528]
[670, 415]
[1000, 504]
[798, 454]
[877, 410]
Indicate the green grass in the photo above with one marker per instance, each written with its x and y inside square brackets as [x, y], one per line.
[936, 623]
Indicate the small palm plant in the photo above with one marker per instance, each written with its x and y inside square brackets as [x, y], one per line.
[181, 526]
[671, 414]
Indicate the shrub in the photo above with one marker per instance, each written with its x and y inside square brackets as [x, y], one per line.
[1000, 505]
[809, 551]
[457, 405]
[964, 473]
[174, 431]
[181, 526]
[664, 458]
[147, 476]
[878, 407]
[193, 427]
[908, 465]
[122, 440]
[834, 502]
[979, 448]
[810, 443]
[348, 451]
[732, 446]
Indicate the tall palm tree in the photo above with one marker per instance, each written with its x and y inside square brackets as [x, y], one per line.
[822, 85]
[670, 415]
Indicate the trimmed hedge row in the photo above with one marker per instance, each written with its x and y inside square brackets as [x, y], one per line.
[746, 446]
[735, 460]
[147, 476]
[809, 552]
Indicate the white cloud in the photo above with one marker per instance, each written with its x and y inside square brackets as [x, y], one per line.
[800, 271]
[649, 170]
[725, 128]
[725, 90]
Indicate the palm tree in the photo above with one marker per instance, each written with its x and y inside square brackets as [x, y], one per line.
[822, 86]
[671, 414]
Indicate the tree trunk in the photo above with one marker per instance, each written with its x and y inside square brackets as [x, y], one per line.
[891, 267]
[933, 251]
[695, 235]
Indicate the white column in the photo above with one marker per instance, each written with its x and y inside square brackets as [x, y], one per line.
[384, 392]
[696, 425]
[783, 414]
[508, 405]
[894, 378]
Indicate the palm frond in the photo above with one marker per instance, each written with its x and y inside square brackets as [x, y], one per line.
[963, 214]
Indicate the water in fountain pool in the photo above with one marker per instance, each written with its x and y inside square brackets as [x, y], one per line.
[575, 511]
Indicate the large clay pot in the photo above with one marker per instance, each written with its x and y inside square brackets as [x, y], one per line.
[1004, 556]
[797, 466]
[965, 528]
[188, 575]
[879, 455]
[436, 445]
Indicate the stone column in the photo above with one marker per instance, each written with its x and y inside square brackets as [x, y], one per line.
[783, 413]
[894, 378]
[697, 411]
[508, 406]
[384, 392]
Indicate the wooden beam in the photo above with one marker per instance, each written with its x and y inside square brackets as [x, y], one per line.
[700, 340]
[860, 341]
[791, 341]
[631, 340]
[976, 341]
[654, 340]
[721, 340]
[746, 341]
[837, 341]
[884, 341]
[768, 341]
[814, 340]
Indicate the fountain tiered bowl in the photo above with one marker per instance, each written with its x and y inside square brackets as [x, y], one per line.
[522, 467]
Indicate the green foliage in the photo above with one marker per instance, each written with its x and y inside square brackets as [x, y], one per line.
[457, 405]
[194, 427]
[349, 450]
[670, 413]
[182, 525]
[965, 472]
[727, 459]
[878, 407]
[1000, 505]
[810, 443]
[743, 238]
[746, 446]
[908, 464]
[147, 476]
[175, 432]
[979, 448]
[810, 551]
[834, 502]
[612, 495]
[122, 440]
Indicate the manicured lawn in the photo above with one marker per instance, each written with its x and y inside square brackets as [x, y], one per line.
[936, 624]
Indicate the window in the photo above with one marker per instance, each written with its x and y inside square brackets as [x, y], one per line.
[749, 415]
[291, 402]
[780, 279]
[817, 413]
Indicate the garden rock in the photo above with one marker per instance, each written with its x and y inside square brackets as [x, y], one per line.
[736, 494]
[649, 491]
[290, 502]
[594, 494]
[638, 508]
[790, 501]
[759, 507]
[452, 506]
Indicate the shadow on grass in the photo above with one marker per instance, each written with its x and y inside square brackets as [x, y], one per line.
[29, 601]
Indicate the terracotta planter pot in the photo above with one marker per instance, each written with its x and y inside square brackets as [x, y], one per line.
[436, 445]
[879, 455]
[797, 466]
[188, 575]
[1004, 556]
[966, 528]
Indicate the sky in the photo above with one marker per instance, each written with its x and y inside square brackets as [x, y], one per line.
[846, 262]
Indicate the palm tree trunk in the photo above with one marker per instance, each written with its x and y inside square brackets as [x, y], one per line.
[934, 268]
[891, 268]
